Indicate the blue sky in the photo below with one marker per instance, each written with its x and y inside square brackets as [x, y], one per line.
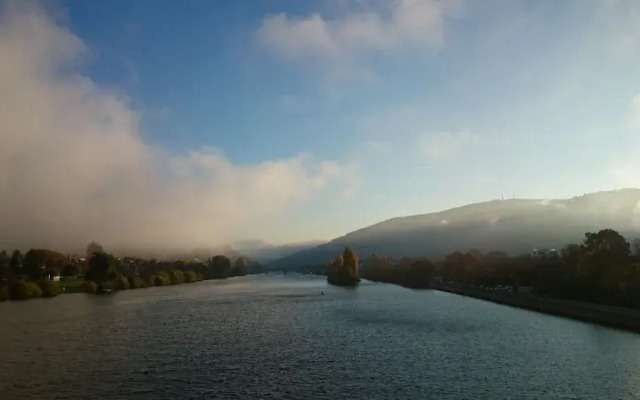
[405, 107]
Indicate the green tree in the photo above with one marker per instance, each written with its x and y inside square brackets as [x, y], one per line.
[176, 276]
[122, 283]
[22, 290]
[92, 248]
[39, 263]
[4, 291]
[607, 244]
[631, 289]
[4, 264]
[71, 270]
[380, 269]
[15, 263]
[136, 282]
[190, 276]
[220, 267]
[379, 261]
[49, 288]
[241, 267]
[161, 279]
[605, 255]
[420, 273]
[101, 269]
[571, 254]
[460, 267]
[636, 249]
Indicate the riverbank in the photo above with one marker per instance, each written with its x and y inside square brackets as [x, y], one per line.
[616, 317]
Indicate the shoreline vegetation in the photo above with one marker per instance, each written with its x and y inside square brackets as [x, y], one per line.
[597, 280]
[46, 273]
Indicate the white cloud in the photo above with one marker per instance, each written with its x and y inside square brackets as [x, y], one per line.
[408, 23]
[74, 166]
[442, 145]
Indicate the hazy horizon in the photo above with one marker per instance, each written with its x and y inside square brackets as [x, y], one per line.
[200, 125]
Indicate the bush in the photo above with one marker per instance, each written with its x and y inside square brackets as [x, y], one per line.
[199, 277]
[34, 289]
[90, 287]
[23, 290]
[135, 282]
[150, 280]
[122, 283]
[18, 290]
[4, 292]
[162, 279]
[176, 277]
[49, 288]
[190, 277]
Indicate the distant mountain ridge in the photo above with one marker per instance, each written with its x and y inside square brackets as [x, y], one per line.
[264, 252]
[515, 226]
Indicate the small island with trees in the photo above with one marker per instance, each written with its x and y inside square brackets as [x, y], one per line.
[344, 269]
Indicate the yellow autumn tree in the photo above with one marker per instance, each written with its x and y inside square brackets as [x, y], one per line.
[344, 269]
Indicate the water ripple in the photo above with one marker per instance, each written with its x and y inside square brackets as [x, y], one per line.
[278, 338]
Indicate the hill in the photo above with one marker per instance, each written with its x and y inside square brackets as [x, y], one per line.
[513, 226]
[264, 252]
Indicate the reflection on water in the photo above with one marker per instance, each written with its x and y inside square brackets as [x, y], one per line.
[279, 337]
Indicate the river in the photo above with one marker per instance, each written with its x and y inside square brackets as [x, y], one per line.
[279, 337]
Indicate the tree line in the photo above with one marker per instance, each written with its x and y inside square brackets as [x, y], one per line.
[604, 268]
[30, 275]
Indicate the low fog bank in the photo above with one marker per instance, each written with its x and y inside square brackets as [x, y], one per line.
[74, 166]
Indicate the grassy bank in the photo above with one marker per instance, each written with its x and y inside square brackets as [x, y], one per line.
[22, 289]
[617, 317]
[71, 285]
[160, 278]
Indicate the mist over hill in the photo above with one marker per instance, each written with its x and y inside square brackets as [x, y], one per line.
[263, 252]
[256, 250]
[515, 226]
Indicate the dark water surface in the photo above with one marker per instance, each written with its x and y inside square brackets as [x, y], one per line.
[274, 337]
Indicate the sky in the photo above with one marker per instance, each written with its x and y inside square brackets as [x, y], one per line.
[194, 123]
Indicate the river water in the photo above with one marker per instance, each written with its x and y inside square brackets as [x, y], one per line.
[278, 337]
